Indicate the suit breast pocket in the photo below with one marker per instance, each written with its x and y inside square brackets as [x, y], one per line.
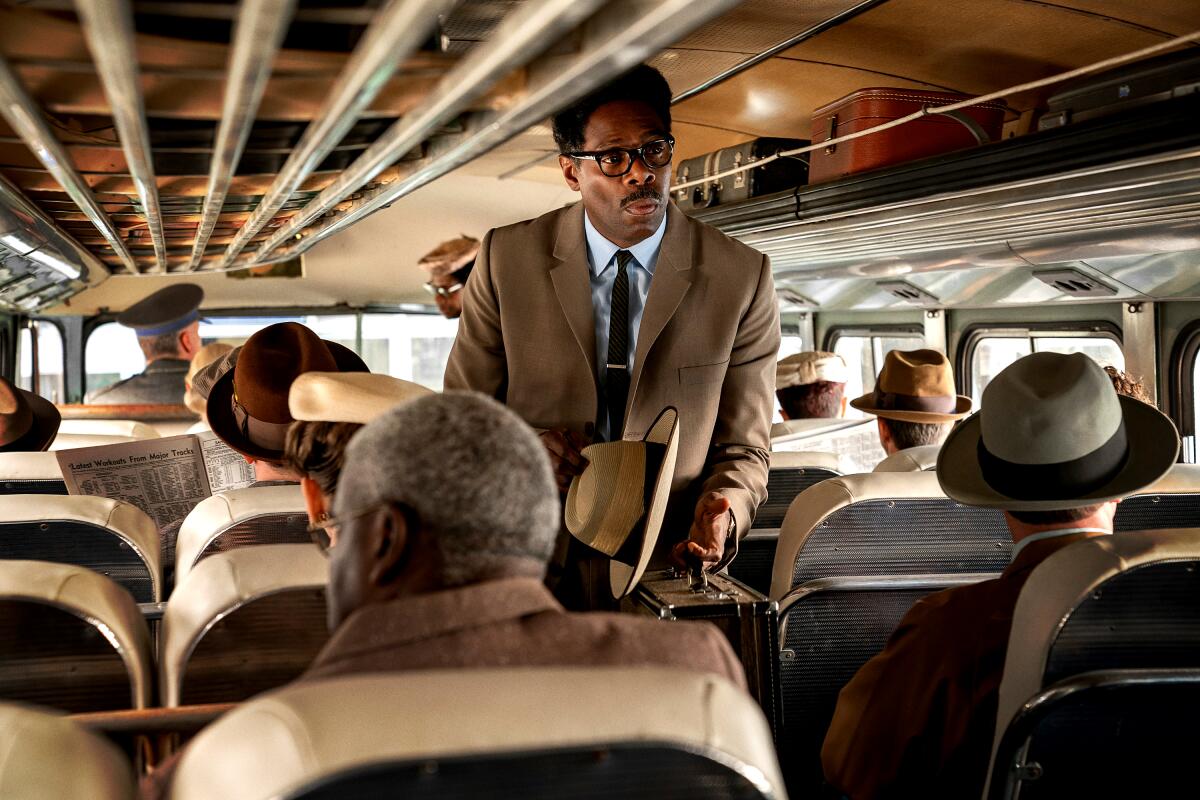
[703, 373]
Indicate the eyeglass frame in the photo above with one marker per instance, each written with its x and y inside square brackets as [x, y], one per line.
[634, 154]
[443, 291]
[319, 531]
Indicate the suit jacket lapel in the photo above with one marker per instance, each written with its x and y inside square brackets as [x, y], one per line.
[672, 279]
[571, 283]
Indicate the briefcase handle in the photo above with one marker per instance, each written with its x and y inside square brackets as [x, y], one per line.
[967, 121]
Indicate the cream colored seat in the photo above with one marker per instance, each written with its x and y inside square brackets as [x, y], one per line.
[912, 459]
[72, 638]
[70, 441]
[107, 536]
[241, 622]
[1124, 607]
[1173, 502]
[531, 733]
[109, 427]
[199, 427]
[48, 757]
[791, 473]
[241, 517]
[31, 473]
[885, 523]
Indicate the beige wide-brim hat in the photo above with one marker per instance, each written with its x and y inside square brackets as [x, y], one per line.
[1052, 434]
[206, 355]
[915, 386]
[348, 396]
[811, 366]
[617, 505]
[449, 257]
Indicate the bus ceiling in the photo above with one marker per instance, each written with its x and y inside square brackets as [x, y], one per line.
[154, 139]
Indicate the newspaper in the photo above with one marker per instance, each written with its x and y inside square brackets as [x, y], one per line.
[166, 478]
[856, 445]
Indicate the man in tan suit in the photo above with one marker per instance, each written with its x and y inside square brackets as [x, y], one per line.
[589, 320]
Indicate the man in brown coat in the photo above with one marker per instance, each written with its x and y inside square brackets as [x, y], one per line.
[1055, 448]
[589, 320]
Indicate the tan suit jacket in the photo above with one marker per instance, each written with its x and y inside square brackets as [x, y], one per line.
[707, 345]
[918, 719]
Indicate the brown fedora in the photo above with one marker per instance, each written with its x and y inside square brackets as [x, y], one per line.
[248, 405]
[915, 386]
[28, 421]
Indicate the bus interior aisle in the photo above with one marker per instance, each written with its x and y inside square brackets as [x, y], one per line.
[599, 398]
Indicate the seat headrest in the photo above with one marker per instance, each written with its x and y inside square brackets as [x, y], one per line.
[45, 755]
[132, 428]
[912, 459]
[214, 515]
[29, 467]
[785, 459]
[284, 740]
[71, 441]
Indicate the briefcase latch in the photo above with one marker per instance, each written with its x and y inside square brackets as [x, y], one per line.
[832, 134]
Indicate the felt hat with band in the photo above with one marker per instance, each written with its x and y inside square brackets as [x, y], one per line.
[248, 405]
[813, 366]
[449, 257]
[1053, 434]
[348, 396]
[28, 421]
[616, 505]
[915, 386]
[170, 309]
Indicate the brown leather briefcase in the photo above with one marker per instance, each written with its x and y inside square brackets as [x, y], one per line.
[921, 138]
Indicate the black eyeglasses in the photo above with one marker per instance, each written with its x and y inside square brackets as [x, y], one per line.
[443, 291]
[617, 161]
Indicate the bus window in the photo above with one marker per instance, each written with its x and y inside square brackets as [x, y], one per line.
[50, 360]
[338, 328]
[414, 347]
[992, 353]
[864, 356]
[110, 355]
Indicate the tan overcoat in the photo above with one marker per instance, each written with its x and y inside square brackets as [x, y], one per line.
[707, 345]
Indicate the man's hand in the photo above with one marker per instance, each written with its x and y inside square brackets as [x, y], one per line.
[563, 447]
[710, 527]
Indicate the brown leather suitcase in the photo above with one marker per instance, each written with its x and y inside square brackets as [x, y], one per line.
[921, 138]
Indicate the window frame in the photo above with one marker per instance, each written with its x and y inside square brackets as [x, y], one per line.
[1182, 381]
[859, 331]
[973, 334]
[31, 324]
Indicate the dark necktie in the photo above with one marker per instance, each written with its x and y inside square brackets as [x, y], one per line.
[616, 384]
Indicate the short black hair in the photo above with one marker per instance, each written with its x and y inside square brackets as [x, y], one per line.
[916, 434]
[642, 84]
[462, 273]
[820, 400]
[1056, 516]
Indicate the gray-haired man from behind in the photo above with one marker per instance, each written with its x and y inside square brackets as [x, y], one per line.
[445, 517]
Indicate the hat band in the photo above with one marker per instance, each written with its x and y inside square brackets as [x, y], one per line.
[1059, 480]
[169, 327]
[269, 435]
[935, 404]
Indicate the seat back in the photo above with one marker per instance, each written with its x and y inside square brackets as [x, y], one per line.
[242, 622]
[530, 733]
[1172, 502]
[828, 629]
[1111, 603]
[108, 536]
[885, 523]
[48, 757]
[70, 441]
[239, 518]
[911, 459]
[131, 428]
[71, 639]
[30, 473]
[791, 473]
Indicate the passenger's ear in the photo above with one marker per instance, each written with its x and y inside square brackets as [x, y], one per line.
[845, 402]
[570, 171]
[314, 500]
[392, 538]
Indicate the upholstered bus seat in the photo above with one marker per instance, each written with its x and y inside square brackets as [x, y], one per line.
[1173, 502]
[45, 756]
[72, 639]
[107, 536]
[131, 428]
[1127, 606]
[241, 622]
[256, 515]
[911, 459]
[885, 523]
[587, 733]
[30, 473]
[70, 441]
[791, 473]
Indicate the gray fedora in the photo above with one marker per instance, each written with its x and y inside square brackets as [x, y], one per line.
[1051, 434]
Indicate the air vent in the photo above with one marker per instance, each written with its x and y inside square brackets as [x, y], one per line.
[905, 291]
[1074, 283]
[791, 300]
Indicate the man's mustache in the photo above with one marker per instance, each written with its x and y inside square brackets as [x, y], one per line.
[645, 193]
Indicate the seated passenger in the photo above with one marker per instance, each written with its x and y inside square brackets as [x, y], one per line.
[205, 356]
[1055, 448]
[811, 390]
[915, 403]
[329, 408]
[445, 517]
[167, 324]
[1127, 385]
[248, 405]
[28, 421]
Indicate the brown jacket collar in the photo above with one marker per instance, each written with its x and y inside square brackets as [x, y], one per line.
[1036, 552]
[410, 619]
